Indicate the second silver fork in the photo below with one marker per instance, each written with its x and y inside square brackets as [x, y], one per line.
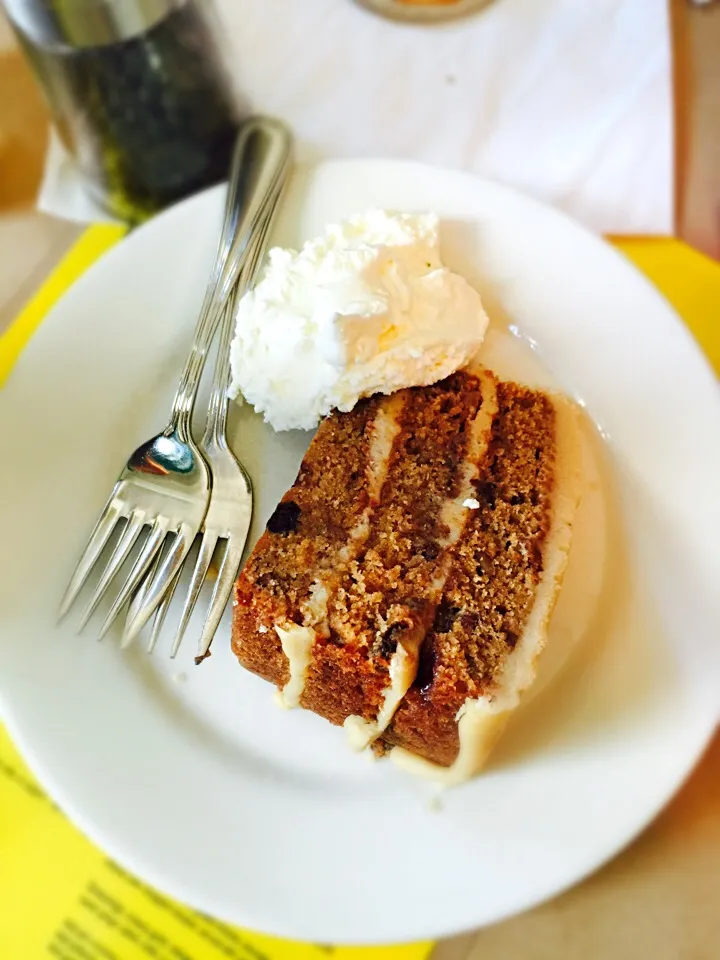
[230, 509]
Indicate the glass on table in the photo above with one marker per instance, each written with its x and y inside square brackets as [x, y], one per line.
[139, 92]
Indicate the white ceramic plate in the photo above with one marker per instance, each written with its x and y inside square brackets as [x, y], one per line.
[192, 778]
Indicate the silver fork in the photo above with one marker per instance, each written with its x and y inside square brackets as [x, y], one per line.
[230, 510]
[166, 482]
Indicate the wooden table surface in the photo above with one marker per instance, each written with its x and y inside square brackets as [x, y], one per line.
[660, 899]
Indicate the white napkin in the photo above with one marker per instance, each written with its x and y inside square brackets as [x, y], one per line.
[569, 101]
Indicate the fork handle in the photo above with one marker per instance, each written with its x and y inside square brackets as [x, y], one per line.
[260, 161]
[216, 423]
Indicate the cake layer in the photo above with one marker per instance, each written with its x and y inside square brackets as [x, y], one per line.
[304, 540]
[507, 573]
[491, 586]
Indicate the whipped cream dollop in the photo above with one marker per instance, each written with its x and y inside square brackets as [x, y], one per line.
[368, 307]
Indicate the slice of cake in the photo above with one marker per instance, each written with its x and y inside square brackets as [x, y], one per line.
[404, 583]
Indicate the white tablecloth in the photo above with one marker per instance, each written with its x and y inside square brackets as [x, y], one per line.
[567, 100]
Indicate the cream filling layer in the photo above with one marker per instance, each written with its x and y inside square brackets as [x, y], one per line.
[297, 643]
[403, 668]
[454, 514]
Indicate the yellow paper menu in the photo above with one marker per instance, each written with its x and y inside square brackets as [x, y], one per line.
[61, 898]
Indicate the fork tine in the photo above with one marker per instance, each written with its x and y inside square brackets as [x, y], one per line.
[168, 571]
[95, 545]
[139, 569]
[161, 613]
[141, 592]
[139, 599]
[221, 592]
[135, 523]
[139, 596]
[202, 564]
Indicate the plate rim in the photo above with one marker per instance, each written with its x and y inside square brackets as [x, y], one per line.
[431, 932]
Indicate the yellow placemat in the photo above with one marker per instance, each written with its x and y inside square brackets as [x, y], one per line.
[90, 246]
[689, 280]
[61, 897]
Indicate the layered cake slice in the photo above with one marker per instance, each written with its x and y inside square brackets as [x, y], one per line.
[403, 585]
